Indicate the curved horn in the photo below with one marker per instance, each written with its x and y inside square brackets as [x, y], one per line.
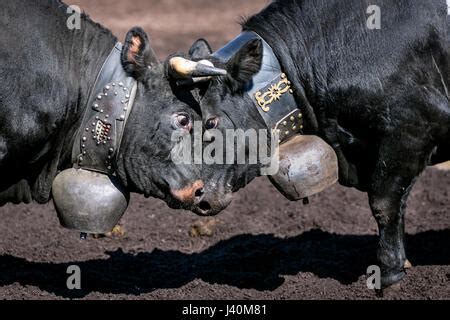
[185, 68]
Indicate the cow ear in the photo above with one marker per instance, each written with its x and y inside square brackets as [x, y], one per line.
[199, 50]
[244, 65]
[138, 56]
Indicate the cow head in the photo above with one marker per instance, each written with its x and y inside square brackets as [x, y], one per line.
[144, 163]
[226, 85]
[222, 101]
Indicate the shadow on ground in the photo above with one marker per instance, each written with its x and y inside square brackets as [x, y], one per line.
[244, 261]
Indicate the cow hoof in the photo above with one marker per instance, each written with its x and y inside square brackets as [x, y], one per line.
[407, 265]
[391, 278]
[394, 288]
[117, 232]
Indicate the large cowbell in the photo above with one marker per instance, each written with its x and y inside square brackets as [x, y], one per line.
[88, 201]
[89, 198]
[308, 165]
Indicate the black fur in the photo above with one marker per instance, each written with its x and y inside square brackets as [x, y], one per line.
[379, 97]
[46, 74]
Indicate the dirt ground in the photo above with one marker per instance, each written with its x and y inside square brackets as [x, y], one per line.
[261, 247]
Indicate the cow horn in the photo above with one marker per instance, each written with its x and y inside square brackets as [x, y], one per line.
[185, 68]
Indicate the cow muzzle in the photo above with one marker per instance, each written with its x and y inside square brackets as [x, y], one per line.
[88, 201]
[212, 204]
[201, 200]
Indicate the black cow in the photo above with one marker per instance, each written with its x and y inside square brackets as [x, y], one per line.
[379, 97]
[47, 72]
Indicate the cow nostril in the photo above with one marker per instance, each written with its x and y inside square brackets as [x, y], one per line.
[204, 206]
[199, 193]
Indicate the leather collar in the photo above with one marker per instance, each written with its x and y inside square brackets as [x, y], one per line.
[270, 89]
[109, 105]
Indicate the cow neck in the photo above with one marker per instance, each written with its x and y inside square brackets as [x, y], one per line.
[109, 105]
[270, 89]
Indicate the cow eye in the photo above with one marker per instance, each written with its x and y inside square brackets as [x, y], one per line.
[183, 121]
[211, 123]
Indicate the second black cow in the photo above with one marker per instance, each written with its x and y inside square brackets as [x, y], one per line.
[378, 96]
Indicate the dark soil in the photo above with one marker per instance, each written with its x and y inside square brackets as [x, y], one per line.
[261, 247]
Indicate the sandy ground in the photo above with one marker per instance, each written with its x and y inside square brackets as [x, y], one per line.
[261, 247]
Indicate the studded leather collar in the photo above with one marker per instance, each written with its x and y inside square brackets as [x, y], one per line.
[109, 105]
[270, 89]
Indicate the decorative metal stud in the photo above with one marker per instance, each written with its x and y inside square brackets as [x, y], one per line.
[122, 117]
[84, 139]
[101, 111]
[99, 97]
[111, 150]
[116, 93]
[284, 123]
[95, 105]
[84, 152]
[300, 115]
[292, 118]
[125, 109]
[294, 127]
[120, 84]
[105, 94]
[107, 87]
[283, 75]
[113, 84]
[97, 118]
[87, 129]
[286, 133]
[107, 116]
[81, 158]
[127, 96]
[291, 91]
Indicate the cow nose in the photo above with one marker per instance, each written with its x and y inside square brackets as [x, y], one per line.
[199, 193]
[210, 204]
[190, 194]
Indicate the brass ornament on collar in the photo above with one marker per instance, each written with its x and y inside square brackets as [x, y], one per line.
[274, 93]
[290, 125]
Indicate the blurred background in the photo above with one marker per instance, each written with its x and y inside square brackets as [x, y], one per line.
[261, 247]
[174, 24]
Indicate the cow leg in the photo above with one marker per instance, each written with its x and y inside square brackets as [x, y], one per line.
[389, 210]
[392, 182]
